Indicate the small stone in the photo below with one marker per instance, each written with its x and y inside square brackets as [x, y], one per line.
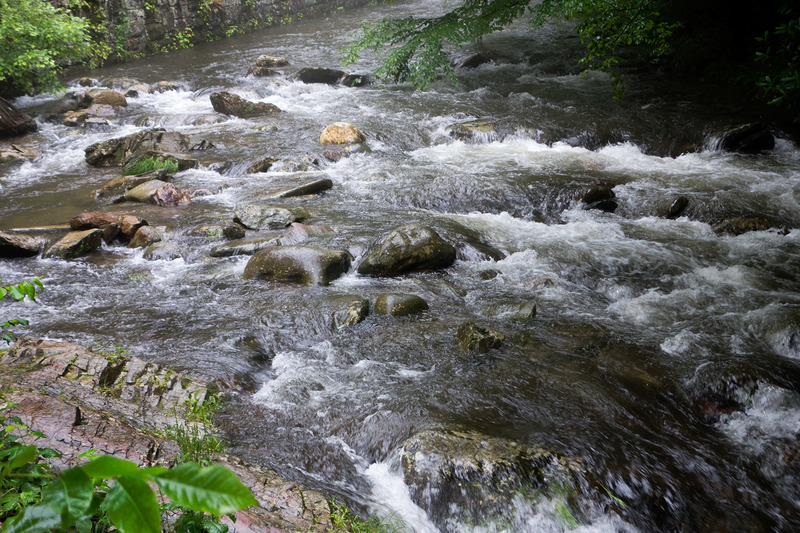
[353, 309]
[472, 338]
[233, 232]
[341, 133]
[262, 165]
[397, 304]
[676, 208]
[162, 251]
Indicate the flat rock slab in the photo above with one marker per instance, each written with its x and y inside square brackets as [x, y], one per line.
[303, 264]
[246, 246]
[18, 245]
[75, 244]
[311, 187]
[56, 387]
[258, 217]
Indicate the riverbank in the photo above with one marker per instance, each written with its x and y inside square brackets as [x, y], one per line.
[82, 400]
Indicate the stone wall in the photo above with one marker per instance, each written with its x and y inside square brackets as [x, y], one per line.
[135, 28]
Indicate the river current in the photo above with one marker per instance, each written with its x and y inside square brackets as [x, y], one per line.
[663, 358]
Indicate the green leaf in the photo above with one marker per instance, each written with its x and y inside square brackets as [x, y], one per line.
[108, 467]
[22, 457]
[213, 489]
[132, 507]
[34, 519]
[70, 495]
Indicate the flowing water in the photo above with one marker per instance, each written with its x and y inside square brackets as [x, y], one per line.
[664, 357]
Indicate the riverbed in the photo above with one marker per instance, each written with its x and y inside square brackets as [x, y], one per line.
[660, 375]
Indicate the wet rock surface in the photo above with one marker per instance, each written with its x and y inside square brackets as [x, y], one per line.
[303, 264]
[341, 133]
[473, 338]
[399, 304]
[20, 245]
[82, 400]
[14, 122]
[232, 104]
[408, 248]
[114, 151]
[75, 244]
[258, 216]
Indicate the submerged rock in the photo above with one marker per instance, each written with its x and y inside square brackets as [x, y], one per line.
[600, 197]
[676, 208]
[747, 138]
[472, 338]
[408, 248]
[350, 311]
[740, 225]
[398, 304]
[17, 245]
[256, 216]
[262, 165]
[232, 104]
[163, 251]
[304, 264]
[474, 61]
[341, 133]
[355, 80]
[76, 243]
[112, 152]
[14, 122]
[479, 131]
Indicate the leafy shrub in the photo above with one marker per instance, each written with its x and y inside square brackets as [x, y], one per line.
[37, 39]
[18, 291]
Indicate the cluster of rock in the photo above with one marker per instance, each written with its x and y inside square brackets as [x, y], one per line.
[266, 65]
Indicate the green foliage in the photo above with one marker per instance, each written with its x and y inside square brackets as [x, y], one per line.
[37, 39]
[197, 442]
[343, 519]
[108, 491]
[22, 474]
[204, 411]
[148, 164]
[18, 291]
[780, 61]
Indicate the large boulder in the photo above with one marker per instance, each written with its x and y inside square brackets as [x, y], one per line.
[256, 216]
[112, 152]
[304, 264]
[14, 122]
[104, 97]
[232, 104]
[92, 220]
[14, 245]
[747, 138]
[408, 248]
[75, 244]
[265, 60]
[475, 131]
[341, 133]
[453, 474]
[600, 197]
[328, 76]
[398, 304]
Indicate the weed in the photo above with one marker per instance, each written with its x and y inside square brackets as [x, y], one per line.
[343, 519]
[148, 164]
[203, 411]
[197, 442]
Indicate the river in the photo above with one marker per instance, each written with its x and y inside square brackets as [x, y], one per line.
[663, 359]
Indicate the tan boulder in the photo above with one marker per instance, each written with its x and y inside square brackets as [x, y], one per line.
[341, 133]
